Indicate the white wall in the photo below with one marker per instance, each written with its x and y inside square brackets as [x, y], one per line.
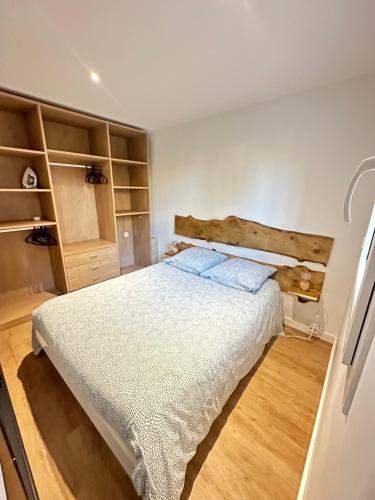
[343, 463]
[285, 163]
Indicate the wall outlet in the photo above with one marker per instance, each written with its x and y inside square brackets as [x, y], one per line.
[313, 328]
[126, 234]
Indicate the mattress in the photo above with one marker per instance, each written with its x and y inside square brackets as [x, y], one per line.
[156, 354]
[119, 447]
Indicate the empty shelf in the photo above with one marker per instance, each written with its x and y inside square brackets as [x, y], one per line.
[22, 153]
[120, 161]
[130, 187]
[123, 213]
[86, 246]
[19, 310]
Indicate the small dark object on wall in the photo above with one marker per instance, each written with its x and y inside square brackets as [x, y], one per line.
[94, 175]
[40, 236]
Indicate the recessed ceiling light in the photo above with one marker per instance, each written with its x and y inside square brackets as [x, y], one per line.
[94, 77]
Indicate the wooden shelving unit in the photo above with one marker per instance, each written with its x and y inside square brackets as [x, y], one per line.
[109, 222]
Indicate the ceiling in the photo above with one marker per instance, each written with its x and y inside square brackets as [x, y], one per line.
[163, 62]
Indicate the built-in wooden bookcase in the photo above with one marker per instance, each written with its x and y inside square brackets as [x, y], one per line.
[130, 173]
[103, 221]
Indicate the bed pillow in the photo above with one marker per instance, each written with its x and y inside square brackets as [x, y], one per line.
[196, 260]
[240, 273]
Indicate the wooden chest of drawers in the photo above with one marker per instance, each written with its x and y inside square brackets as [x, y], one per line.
[90, 262]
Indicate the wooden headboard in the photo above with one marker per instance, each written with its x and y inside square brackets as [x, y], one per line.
[246, 233]
[249, 234]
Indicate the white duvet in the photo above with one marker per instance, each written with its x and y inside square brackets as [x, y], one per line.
[158, 352]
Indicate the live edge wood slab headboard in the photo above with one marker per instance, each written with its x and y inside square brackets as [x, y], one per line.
[249, 234]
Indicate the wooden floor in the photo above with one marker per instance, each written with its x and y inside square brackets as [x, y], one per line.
[255, 450]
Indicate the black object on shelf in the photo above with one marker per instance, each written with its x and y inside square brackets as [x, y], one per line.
[94, 175]
[40, 236]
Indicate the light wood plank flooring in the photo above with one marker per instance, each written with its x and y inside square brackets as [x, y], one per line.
[255, 450]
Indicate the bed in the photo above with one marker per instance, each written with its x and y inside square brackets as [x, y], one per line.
[152, 357]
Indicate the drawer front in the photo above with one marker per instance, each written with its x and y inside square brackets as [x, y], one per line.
[102, 256]
[89, 274]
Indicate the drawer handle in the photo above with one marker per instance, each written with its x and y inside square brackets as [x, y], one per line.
[93, 257]
[94, 268]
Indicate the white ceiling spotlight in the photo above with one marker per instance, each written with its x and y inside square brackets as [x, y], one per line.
[94, 77]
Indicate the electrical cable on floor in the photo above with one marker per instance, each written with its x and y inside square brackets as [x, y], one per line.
[313, 328]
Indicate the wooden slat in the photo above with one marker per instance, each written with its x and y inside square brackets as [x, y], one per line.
[57, 156]
[125, 213]
[19, 152]
[23, 190]
[130, 187]
[120, 161]
[249, 234]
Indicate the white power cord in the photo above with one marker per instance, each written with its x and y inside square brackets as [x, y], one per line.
[313, 328]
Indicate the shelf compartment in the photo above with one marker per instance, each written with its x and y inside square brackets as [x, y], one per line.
[128, 143]
[134, 200]
[23, 225]
[20, 153]
[133, 236]
[85, 211]
[59, 156]
[20, 123]
[69, 117]
[12, 169]
[125, 213]
[69, 131]
[129, 175]
[19, 206]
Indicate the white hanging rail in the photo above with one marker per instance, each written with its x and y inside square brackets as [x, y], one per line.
[366, 165]
[74, 165]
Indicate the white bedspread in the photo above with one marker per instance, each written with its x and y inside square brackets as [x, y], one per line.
[159, 352]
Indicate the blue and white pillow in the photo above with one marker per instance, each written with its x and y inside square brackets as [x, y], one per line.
[241, 274]
[196, 260]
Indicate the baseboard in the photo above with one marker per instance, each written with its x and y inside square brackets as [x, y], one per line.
[315, 433]
[328, 337]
